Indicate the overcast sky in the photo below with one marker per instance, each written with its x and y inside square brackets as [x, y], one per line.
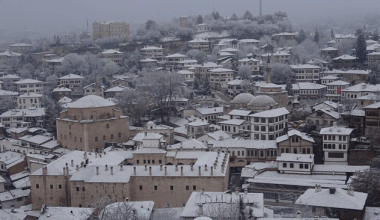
[64, 14]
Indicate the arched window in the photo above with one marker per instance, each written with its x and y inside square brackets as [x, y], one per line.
[119, 135]
[111, 136]
[96, 139]
[104, 137]
[108, 125]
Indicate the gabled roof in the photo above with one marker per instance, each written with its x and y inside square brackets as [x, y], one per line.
[340, 199]
[71, 76]
[291, 133]
[338, 83]
[111, 52]
[91, 101]
[207, 111]
[233, 122]
[345, 57]
[336, 130]
[271, 113]
[307, 158]
[28, 81]
[373, 106]
[240, 112]
[176, 55]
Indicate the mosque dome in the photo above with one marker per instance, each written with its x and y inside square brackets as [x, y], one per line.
[262, 101]
[243, 98]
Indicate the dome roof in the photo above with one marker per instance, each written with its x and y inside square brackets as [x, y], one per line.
[262, 101]
[150, 123]
[243, 98]
[91, 101]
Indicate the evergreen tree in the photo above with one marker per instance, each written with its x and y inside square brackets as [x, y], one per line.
[52, 111]
[150, 24]
[361, 47]
[374, 75]
[289, 87]
[248, 16]
[301, 36]
[234, 17]
[215, 15]
[316, 36]
[199, 19]
[375, 36]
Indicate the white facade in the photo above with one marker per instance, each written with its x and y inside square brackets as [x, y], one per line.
[30, 85]
[306, 73]
[29, 100]
[268, 125]
[336, 142]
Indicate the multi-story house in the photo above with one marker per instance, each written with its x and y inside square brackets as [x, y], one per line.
[295, 163]
[203, 71]
[331, 52]
[340, 37]
[61, 92]
[110, 29]
[295, 142]
[30, 85]
[28, 100]
[355, 76]
[186, 64]
[197, 128]
[238, 86]
[236, 126]
[188, 76]
[199, 44]
[372, 119]
[328, 79]
[334, 90]
[71, 81]
[219, 78]
[306, 73]
[284, 37]
[54, 64]
[113, 55]
[268, 125]
[344, 61]
[309, 90]
[172, 61]
[254, 64]
[8, 100]
[373, 59]
[94, 89]
[360, 90]
[323, 117]
[21, 48]
[23, 118]
[280, 57]
[336, 142]
[248, 42]
[200, 28]
[152, 52]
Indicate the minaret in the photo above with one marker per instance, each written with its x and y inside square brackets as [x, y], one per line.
[268, 69]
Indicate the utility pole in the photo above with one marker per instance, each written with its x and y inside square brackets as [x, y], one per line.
[261, 8]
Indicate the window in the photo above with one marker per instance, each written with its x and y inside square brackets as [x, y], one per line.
[144, 161]
[282, 150]
[263, 137]
[263, 128]
[37, 186]
[119, 135]
[104, 137]
[301, 166]
[263, 120]
[108, 125]
[153, 161]
[171, 187]
[155, 187]
[137, 161]
[83, 189]
[51, 186]
[284, 165]
[60, 186]
[291, 165]
[96, 139]
[159, 161]
[194, 187]
[187, 187]
[306, 166]
[77, 189]
[140, 187]
[111, 136]
[295, 150]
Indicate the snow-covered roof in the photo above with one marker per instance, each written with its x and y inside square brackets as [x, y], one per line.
[330, 49]
[330, 112]
[287, 157]
[6, 93]
[91, 101]
[233, 122]
[21, 45]
[304, 66]
[249, 144]
[188, 61]
[336, 130]
[290, 133]
[188, 144]
[111, 52]
[345, 57]
[116, 89]
[148, 60]
[338, 83]
[373, 106]
[339, 199]
[271, 113]
[69, 213]
[65, 100]
[239, 112]
[329, 77]
[216, 135]
[249, 41]
[51, 144]
[186, 72]
[13, 194]
[37, 139]
[37, 112]
[249, 59]
[363, 87]
[199, 41]
[281, 53]
[148, 136]
[61, 89]
[270, 85]
[24, 81]
[221, 70]
[237, 82]
[209, 65]
[262, 101]
[10, 54]
[152, 48]
[30, 95]
[143, 209]
[307, 85]
[243, 98]
[71, 76]
[176, 55]
[208, 111]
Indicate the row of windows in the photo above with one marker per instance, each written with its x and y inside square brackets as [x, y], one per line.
[270, 128]
[332, 146]
[52, 186]
[153, 161]
[170, 187]
[270, 120]
[332, 137]
[304, 150]
[301, 165]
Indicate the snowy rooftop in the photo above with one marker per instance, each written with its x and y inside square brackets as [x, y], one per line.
[330, 112]
[233, 122]
[21, 45]
[38, 139]
[116, 89]
[199, 41]
[249, 41]
[10, 54]
[239, 112]
[62, 89]
[111, 52]
[345, 57]
[176, 55]
[186, 72]
[363, 87]
[307, 85]
[30, 95]
[248, 144]
[148, 60]
[91, 101]
[152, 48]
[338, 83]
[329, 77]
[243, 98]
[6, 93]
[304, 66]
[189, 144]
[336, 130]
[340, 199]
[271, 113]
[262, 101]
[287, 157]
[330, 49]
[373, 106]
[71, 76]
[143, 209]
[291, 133]
[38, 112]
[238, 82]
[207, 111]
[221, 70]
[66, 213]
[149, 135]
[24, 81]
[369, 97]
[217, 134]
[248, 59]
[13, 194]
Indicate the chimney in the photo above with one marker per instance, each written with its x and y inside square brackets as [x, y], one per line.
[96, 155]
[199, 168]
[332, 190]
[181, 170]
[134, 171]
[166, 171]
[245, 191]
[160, 167]
[192, 167]
[121, 167]
[176, 167]
[237, 191]
[316, 188]
[150, 171]
[111, 170]
[77, 167]
[218, 153]
[350, 191]
[212, 170]
[298, 214]
[146, 167]
[64, 171]
[145, 133]
[72, 163]
[200, 210]
[85, 155]
[106, 167]
[97, 170]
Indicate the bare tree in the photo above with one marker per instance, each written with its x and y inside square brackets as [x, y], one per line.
[368, 182]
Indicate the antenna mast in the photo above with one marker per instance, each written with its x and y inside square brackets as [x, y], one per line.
[261, 8]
